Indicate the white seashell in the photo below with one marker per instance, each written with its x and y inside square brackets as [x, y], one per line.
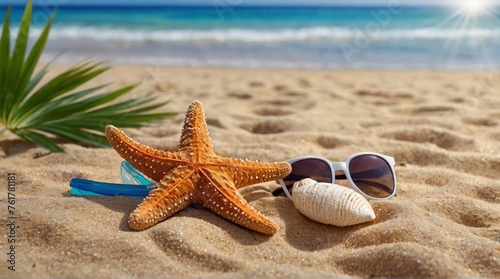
[331, 204]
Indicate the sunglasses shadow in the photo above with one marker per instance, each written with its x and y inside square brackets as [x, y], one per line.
[306, 234]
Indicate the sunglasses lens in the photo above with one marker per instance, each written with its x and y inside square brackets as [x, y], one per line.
[316, 169]
[373, 175]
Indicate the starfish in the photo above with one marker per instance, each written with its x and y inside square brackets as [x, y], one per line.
[195, 174]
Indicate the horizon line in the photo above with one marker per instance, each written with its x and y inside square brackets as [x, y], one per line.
[134, 5]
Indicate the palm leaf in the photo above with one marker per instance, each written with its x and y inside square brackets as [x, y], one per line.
[16, 62]
[4, 63]
[34, 111]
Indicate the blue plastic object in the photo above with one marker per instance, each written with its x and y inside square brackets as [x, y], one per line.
[132, 176]
[136, 185]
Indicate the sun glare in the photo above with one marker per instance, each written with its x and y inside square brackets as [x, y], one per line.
[473, 6]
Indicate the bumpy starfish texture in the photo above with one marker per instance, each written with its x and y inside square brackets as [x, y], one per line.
[195, 174]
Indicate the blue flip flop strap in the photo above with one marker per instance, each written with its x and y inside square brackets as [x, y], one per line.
[135, 184]
[85, 187]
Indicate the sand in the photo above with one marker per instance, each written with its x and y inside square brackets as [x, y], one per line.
[442, 128]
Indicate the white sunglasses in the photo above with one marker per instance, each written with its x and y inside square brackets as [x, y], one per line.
[370, 174]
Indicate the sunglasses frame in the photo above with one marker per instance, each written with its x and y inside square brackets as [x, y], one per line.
[343, 166]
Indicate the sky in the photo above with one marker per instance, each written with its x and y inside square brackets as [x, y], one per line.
[241, 2]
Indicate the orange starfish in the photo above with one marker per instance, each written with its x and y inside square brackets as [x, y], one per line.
[195, 174]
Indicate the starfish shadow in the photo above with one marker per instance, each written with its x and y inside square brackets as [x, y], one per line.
[239, 233]
[120, 204]
[126, 205]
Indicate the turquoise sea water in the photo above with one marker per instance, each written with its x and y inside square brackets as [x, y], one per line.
[275, 37]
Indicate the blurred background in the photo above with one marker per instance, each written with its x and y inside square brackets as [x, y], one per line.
[335, 34]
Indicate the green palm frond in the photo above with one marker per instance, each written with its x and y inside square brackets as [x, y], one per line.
[33, 110]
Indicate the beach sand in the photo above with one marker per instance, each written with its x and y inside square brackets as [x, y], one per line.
[443, 128]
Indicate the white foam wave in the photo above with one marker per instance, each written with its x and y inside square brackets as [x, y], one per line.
[263, 36]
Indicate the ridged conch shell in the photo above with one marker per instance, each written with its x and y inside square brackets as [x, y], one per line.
[331, 204]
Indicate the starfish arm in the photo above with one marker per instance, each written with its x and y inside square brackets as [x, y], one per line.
[152, 162]
[218, 194]
[171, 194]
[195, 142]
[247, 172]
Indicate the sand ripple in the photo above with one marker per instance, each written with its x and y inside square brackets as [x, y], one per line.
[444, 221]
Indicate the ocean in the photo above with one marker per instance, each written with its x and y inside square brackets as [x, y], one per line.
[392, 37]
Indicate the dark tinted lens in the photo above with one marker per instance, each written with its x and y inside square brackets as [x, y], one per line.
[308, 168]
[372, 175]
